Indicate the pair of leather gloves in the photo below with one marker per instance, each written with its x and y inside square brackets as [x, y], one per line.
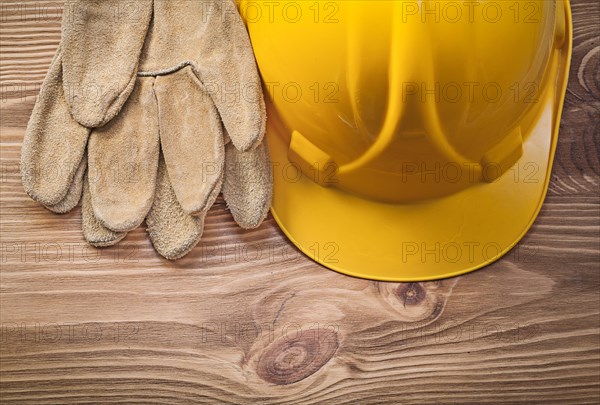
[149, 110]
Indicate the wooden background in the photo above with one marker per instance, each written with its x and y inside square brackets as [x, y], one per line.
[246, 318]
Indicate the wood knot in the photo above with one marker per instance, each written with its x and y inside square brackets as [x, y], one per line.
[411, 293]
[287, 361]
[412, 302]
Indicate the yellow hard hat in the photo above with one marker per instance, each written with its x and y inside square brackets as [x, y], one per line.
[411, 140]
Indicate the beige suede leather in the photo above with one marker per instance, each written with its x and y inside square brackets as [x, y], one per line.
[173, 232]
[191, 136]
[210, 36]
[248, 185]
[102, 41]
[247, 189]
[73, 195]
[176, 84]
[123, 160]
[93, 230]
[54, 144]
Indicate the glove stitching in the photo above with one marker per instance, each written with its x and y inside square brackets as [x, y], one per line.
[167, 71]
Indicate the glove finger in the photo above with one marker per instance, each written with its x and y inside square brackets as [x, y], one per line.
[74, 194]
[218, 45]
[191, 136]
[123, 161]
[54, 143]
[173, 232]
[248, 184]
[93, 231]
[102, 43]
[233, 74]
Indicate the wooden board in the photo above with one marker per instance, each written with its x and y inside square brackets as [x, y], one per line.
[245, 318]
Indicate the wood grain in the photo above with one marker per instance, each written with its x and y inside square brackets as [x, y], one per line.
[247, 319]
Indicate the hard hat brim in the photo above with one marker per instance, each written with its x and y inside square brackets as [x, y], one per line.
[428, 240]
[410, 242]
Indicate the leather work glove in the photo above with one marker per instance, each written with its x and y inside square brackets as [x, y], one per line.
[176, 116]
